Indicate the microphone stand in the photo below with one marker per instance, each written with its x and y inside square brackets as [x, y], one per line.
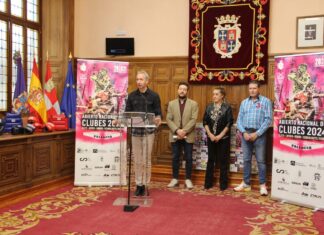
[146, 192]
[128, 207]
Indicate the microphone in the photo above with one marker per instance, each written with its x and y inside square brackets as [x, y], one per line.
[145, 116]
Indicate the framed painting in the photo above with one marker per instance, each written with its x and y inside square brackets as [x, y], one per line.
[310, 31]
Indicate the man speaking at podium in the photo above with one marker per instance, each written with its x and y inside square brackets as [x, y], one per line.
[144, 100]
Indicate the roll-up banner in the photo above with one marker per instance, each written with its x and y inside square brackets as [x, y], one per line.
[100, 145]
[298, 143]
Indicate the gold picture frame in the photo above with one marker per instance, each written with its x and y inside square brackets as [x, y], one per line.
[310, 31]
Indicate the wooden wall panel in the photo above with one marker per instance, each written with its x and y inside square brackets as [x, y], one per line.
[162, 73]
[164, 153]
[179, 71]
[269, 88]
[65, 159]
[199, 94]
[173, 90]
[131, 80]
[161, 84]
[11, 165]
[57, 39]
[144, 66]
[163, 89]
[27, 160]
[42, 159]
[167, 72]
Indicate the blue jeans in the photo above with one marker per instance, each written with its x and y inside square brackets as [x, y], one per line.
[260, 147]
[176, 150]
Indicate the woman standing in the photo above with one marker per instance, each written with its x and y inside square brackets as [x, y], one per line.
[218, 119]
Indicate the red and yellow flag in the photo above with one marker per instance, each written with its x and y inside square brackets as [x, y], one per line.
[36, 100]
[51, 101]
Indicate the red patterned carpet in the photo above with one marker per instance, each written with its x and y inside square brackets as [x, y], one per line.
[81, 210]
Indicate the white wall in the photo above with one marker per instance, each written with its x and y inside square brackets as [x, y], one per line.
[160, 27]
[283, 15]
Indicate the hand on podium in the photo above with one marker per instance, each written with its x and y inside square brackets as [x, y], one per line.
[157, 121]
[116, 122]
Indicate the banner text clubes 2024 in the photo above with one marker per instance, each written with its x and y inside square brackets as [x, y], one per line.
[298, 143]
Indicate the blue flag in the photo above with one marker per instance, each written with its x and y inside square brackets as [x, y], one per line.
[68, 103]
[19, 101]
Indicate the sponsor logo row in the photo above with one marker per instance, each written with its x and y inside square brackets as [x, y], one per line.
[303, 194]
[105, 167]
[296, 163]
[101, 158]
[316, 176]
[104, 175]
[305, 184]
[85, 150]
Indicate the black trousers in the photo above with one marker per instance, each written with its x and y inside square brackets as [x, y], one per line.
[218, 152]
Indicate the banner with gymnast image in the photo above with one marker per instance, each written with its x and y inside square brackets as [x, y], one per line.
[100, 145]
[298, 143]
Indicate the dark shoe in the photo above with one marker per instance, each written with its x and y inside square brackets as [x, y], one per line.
[223, 187]
[138, 191]
[144, 192]
[208, 186]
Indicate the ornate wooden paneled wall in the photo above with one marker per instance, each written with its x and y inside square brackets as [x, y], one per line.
[28, 160]
[167, 72]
